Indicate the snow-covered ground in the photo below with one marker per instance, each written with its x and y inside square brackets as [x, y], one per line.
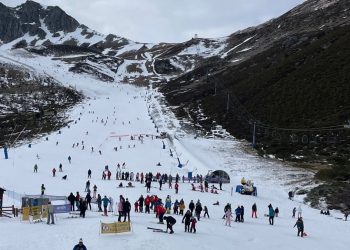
[127, 110]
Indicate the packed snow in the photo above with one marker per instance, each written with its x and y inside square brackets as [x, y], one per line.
[114, 110]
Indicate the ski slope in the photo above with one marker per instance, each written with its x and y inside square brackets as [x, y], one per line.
[127, 110]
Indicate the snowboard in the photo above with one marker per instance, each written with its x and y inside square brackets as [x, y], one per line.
[157, 230]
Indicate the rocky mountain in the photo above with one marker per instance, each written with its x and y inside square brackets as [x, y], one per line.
[284, 82]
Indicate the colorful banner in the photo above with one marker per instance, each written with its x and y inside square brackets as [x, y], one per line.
[59, 209]
[115, 227]
[25, 213]
[44, 212]
[36, 213]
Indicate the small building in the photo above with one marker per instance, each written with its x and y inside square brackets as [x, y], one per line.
[216, 176]
[39, 200]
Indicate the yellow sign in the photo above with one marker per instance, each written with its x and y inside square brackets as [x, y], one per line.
[115, 227]
[25, 213]
[36, 212]
[44, 211]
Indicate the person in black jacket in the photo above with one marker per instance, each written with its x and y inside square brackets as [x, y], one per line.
[126, 209]
[242, 214]
[187, 219]
[88, 200]
[191, 206]
[80, 245]
[170, 221]
[71, 199]
[198, 210]
[141, 200]
[82, 207]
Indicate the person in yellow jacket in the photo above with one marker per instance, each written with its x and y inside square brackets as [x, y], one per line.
[182, 207]
[243, 181]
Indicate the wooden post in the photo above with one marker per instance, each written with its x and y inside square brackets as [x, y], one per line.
[1, 199]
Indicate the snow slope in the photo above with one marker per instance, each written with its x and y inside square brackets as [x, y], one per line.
[119, 104]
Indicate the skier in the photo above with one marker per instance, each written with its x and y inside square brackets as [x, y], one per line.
[69, 159]
[42, 189]
[170, 221]
[300, 226]
[60, 168]
[294, 211]
[35, 168]
[271, 214]
[80, 245]
[53, 172]
[89, 174]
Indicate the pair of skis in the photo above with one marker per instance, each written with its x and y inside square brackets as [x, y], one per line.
[157, 230]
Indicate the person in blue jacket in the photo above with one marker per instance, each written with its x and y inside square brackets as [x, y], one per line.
[105, 202]
[238, 214]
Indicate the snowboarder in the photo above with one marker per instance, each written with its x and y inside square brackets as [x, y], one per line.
[170, 221]
[80, 245]
[300, 225]
[254, 210]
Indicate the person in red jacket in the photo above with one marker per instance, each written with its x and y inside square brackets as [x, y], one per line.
[161, 211]
[176, 188]
[136, 204]
[193, 225]
[147, 204]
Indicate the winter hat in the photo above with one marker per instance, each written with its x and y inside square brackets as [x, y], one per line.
[81, 240]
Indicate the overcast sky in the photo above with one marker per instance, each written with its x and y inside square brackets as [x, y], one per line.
[169, 20]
